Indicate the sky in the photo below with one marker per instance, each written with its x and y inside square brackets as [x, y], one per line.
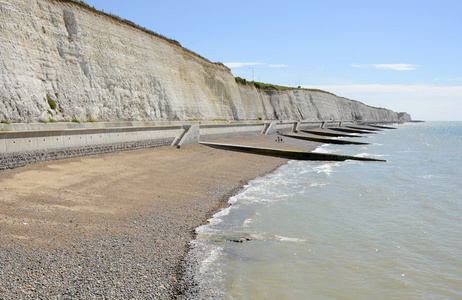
[404, 55]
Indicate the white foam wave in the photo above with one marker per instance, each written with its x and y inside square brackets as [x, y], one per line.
[427, 176]
[323, 149]
[213, 255]
[317, 184]
[232, 200]
[203, 229]
[215, 220]
[365, 154]
[327, 169]
[290, 239]
[248, 222]
[266, 200]
[278, 238]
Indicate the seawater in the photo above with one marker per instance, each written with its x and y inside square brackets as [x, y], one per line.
[345, 230]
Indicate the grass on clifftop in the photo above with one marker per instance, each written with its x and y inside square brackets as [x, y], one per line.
[267, 86]
[92, 8]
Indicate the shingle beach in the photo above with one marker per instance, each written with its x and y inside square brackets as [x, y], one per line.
[113, 226]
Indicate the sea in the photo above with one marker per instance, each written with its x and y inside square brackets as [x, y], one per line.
[345, 230]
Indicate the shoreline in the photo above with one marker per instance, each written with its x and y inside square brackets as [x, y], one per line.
[114, 225]
[188, 287]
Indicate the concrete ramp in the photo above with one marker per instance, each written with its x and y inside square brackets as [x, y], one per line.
[190, 134]
[318, 139]
[289, 154]
[331, 133]
[382, 127]
[363, 127]
[351, 130]
[269, 128]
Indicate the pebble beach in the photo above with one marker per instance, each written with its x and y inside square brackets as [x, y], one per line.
[113, 226]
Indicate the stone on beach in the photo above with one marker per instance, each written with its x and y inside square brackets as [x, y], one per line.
[114, 225]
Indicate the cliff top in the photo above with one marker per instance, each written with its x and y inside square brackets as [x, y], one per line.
[268, 86]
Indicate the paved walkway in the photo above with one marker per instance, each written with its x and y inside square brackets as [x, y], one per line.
[270, 141]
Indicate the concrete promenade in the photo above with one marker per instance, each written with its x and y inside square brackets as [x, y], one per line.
[23, 144]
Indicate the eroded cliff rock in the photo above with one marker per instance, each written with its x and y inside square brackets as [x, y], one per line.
[93, 66]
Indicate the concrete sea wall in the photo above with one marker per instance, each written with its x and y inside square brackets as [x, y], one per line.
[23, 144]
[64, 62]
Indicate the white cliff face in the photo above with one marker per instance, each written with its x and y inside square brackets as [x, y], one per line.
[96, 67]
[308, 105]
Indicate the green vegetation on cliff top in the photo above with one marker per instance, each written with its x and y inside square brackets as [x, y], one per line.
[267, 86]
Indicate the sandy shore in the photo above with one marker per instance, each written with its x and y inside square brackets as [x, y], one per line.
[115, 225]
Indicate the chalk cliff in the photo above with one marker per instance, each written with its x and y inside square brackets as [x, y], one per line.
[62, 61]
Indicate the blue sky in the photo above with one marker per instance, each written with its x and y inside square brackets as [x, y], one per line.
[403, 55]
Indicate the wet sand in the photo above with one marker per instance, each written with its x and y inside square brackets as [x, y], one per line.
[114, 225]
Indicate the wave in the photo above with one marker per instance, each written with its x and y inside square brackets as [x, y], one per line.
[275, 237]
[365, 154]
[327, 168]
[323, 149]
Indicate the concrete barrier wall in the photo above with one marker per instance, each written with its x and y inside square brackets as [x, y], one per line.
[231, 128]
[17, 141]
[22, 144]
[31, 137]
[285, 127]
[212, 132]
[309, 125]
[21, 158]
[35, 143]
